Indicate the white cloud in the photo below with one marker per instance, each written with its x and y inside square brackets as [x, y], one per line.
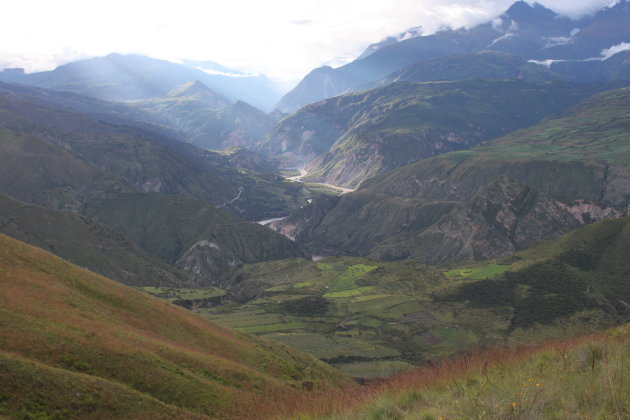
[282, 38]
[609, 52]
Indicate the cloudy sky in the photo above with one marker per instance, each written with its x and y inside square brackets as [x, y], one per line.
[281, 38]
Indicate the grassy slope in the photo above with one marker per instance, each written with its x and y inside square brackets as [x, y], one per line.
[112, 350]
[86, 243]
[170, 226]
[565, 380]
[579, 144]
[366, 317]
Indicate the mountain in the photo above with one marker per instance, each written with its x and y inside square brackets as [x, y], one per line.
[255, 89]
[190, 113]
[198, 92]
[131, 77]
[86, 243]
[60, 149]
[77, 345]
[577, 162]
[65, 160]
[192, 235]
[481, 65]
[242, 158]
[350, 138]
[390, 40]
[205, 120]
[527, 30]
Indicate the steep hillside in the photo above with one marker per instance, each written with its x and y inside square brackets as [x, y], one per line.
[76, 345]
[527, 30]
[370, 318]
[87, 244]
[190, 234]
[578, 163]
[60, 150]
[205, 120]
[130, 155]
[356, 136]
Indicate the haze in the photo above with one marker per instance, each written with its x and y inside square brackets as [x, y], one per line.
[283, 39]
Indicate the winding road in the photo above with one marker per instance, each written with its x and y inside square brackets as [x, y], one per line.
[303, 173]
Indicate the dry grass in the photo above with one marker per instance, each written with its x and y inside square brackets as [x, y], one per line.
[527, 382]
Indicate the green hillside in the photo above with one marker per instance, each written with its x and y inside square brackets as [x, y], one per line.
[86, 243]
[190, 234]
[76, 345]
[572, 168]
[370, 318]
[62, 159]
[133, 157]
[355, 136]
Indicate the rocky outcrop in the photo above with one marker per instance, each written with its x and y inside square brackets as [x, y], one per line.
[505, 217]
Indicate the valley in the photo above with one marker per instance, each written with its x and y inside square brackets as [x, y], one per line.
[431, 226]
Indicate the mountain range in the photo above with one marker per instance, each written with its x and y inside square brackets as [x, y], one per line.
[479, 203]
[525, 30]
[118, 77]
[442, 194]
[350, 138]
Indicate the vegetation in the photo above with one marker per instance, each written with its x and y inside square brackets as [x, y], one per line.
[190, 234]
[73, 157]
[561, 172]
[359, 135]
[76, 345]
[578, 378]
[371, 317]
[86, 243]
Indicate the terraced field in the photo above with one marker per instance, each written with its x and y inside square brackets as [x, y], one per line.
[369, 319]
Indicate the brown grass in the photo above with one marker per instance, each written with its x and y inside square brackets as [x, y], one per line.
[445, 372]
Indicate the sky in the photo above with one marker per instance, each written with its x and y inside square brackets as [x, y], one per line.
[283, 39]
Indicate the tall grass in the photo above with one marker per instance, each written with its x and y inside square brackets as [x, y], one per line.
[582, 378]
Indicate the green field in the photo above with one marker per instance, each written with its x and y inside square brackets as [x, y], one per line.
[370, 317]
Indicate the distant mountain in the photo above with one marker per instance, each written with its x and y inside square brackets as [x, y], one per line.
[79, 147]
[191, 113]
[390, 40]
[453, 207]
[65, 160]
[79, 157]
[204, 119]
[87, 243]
[198, 92]
[352, 137]
[526, 30]
[131, 77]
[79, 346]
[481, 65]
